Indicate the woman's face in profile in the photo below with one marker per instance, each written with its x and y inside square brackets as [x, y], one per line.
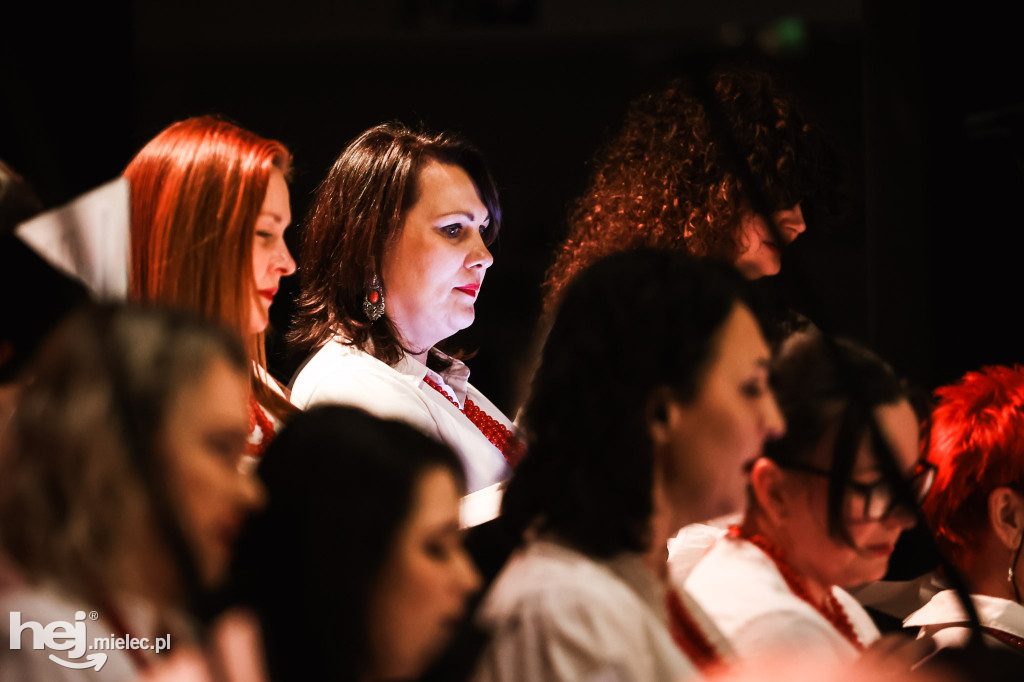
[829, 559]
[424, 584]
[759, 254]
[204, 440]
[434, 271]
[271, 259]
[725, 425]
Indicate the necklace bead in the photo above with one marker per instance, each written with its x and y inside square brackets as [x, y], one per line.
[257, 417]
[499, 435]
[831, 610]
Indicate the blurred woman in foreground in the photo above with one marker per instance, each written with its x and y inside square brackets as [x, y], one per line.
[651, 394]
[356, 567]
[119, 485]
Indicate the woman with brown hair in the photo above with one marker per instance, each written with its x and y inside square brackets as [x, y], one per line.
[665, 181]
[209, 209]
[120, 491]
[393, 259]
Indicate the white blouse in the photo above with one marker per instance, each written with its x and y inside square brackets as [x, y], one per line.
[739, 587]
[556, 615]
[943, 619]
[341, 373]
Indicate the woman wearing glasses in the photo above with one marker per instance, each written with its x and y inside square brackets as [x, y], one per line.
[820, 514]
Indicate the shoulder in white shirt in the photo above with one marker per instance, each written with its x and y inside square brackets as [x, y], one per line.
[341, 373]
[739, 587]
[557, 615]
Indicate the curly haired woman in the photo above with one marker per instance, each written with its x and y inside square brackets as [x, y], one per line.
[666, 182]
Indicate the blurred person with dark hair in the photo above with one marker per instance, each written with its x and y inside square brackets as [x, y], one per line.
[821, 511]
[356, 567]
[209, 209]
[25, 320]
[395, 250]
[665, 181]
[120, 489]
[976, 507]
[651, 394]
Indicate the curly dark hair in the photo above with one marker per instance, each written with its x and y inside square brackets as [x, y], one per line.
[588, 473]
[665, 182]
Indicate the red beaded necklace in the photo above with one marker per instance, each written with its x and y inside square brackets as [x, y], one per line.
[688, 635]
[499, 435]
[831, 610]
[257, 417]
[1006, 638]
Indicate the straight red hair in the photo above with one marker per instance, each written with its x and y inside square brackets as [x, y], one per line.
[196, 192]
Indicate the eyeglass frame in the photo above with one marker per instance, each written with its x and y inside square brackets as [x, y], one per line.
[922, 469]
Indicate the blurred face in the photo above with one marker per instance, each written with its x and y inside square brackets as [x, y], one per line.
[424, 585]
[434, 271]
[270, 258]
[831, 561]
[724, 426]
[760, 256]
[204, 440]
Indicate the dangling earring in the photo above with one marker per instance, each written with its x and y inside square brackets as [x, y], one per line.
[373, 302]
[1011, 574]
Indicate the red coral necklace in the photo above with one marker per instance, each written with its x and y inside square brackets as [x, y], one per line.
[831, 610]
[499, 435]
[257, 417]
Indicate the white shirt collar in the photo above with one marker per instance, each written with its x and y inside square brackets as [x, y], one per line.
[944, 609]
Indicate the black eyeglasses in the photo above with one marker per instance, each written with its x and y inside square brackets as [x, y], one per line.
[879, 499]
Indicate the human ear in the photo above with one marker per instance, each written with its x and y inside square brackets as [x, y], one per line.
[658, 415]
[1006, 516]
[767, 480]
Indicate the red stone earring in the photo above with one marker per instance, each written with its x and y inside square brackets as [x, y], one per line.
[373, 302]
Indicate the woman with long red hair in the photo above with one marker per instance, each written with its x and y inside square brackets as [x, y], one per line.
[209, 209]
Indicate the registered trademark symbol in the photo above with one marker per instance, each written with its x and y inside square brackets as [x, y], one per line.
[93, 615]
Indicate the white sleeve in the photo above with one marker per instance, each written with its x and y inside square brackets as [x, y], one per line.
[387, 397]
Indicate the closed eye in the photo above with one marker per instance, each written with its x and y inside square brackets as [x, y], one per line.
[752, 389]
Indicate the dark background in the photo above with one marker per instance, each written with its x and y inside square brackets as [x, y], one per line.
[924, 109]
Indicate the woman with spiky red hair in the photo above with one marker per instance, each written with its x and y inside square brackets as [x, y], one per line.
[210, 206]
[976, 507]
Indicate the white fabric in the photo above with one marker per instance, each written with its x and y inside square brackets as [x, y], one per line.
[556, 615]
[689, 546]
[739, 587]
[87, 239]
[939, 619]
[44, 607]
[341, 373]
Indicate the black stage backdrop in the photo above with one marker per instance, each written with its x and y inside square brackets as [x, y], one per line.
[925, 110]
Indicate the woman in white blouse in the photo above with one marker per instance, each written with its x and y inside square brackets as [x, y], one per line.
[651, 394]
[393, 259]
[821, 513]
[977, 506]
